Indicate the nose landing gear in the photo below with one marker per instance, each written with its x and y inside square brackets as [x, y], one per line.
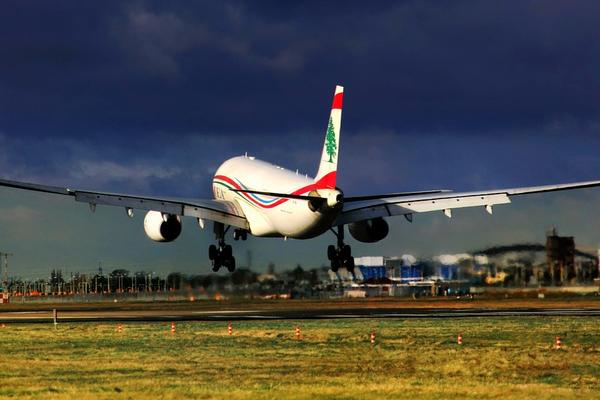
[221, 254]
[340, 255]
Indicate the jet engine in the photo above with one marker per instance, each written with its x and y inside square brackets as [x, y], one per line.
[369, 231]
[162, 227]
[326, 200]
[335, 198]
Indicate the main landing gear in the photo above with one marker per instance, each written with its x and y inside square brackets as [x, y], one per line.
[340, 255]
[221, 254]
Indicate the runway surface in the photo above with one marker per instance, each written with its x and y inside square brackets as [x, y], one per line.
[257, 314]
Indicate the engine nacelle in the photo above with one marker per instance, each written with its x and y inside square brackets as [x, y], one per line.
[162, 227]
[327, 199]
[369, 231]
[334, 198]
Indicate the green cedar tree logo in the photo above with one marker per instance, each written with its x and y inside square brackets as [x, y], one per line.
[330, 145]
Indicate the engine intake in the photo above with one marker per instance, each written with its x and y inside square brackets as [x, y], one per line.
[162, 227]
[369, 231]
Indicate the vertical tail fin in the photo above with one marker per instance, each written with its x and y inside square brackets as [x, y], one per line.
[326, 176]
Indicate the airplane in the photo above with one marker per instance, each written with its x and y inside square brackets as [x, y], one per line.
[265, 200]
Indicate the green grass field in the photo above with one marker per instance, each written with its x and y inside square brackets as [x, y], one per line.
[417, 359]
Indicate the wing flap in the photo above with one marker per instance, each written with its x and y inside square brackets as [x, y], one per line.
[400, 194]
[405, 205]
[389, 208]
[137, 203]
[215, 210]
[456, 202]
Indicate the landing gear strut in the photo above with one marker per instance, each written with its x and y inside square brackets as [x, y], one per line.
[221, 255]
[340, 255]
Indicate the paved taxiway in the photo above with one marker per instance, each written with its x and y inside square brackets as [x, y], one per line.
[237, 315]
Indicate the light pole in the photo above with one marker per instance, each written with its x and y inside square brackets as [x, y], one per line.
[5, 255]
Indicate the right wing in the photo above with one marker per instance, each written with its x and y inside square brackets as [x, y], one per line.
[384, 206]
[226, 212]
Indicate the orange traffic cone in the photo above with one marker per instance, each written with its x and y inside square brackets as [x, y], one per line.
[120, 328]
[230, 329]
[459, 339]
[172, 327]
[558, 343]
[297, 333]
[372, 337]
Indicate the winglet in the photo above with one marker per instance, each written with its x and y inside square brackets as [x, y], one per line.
[326, 175]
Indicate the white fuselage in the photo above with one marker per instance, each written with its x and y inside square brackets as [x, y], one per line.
[273, 216]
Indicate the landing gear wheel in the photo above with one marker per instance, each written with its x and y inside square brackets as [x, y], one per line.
[340, 255]
[227, 251]
[230, 264]
[331, 253]
[216, 265]
[221, 254]
[349, 265]
[212, 252]
[335, 265]
[346, 251]
[222, 258]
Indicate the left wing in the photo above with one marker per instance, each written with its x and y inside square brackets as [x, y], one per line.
[443, 201]
[226, 212]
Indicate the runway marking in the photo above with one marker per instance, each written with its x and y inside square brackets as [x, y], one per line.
[27, 312]
[307, 314]
[228, 312]
[342, 316]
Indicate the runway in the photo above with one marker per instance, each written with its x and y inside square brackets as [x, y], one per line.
[46, 316]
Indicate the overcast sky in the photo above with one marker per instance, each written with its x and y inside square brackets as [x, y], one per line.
[150, 97]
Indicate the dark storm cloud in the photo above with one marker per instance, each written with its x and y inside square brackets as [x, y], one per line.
[133, 69]
[151, 96]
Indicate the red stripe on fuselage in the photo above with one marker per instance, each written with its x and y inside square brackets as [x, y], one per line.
[326, 182]
[337, 101]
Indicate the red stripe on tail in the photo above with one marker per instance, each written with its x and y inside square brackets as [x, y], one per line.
[327, 182]
[337, 101]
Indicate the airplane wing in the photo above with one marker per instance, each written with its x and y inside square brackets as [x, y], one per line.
[226, 212]
[355, 211]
